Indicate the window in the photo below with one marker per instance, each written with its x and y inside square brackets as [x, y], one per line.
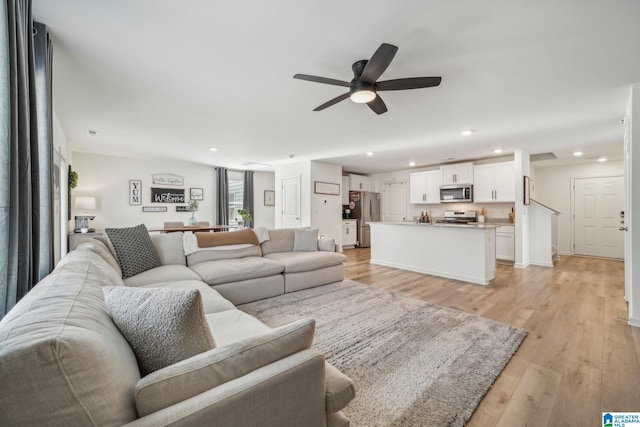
[236, 190]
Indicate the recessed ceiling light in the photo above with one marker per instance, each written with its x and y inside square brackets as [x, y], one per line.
[577, 153]
[602, 159]
[213, 149]
[369, 153]
[498, 150]
[412, 163]
[466, 132]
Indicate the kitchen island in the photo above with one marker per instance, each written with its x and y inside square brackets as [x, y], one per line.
[461, 252]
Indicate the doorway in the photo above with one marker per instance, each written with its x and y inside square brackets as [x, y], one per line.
[291, 202]
[395, 201]
[598, 207]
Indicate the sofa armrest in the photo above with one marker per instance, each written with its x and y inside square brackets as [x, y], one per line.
[289, 392]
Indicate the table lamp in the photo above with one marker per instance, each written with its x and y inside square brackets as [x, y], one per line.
[84, 204]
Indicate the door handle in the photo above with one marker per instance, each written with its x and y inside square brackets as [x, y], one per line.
[623, 229]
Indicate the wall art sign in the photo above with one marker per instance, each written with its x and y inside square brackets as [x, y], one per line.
[135, 192]
[167, 195]
[527, 190]
[182, 208]
[167, 179]
[154, 209]
[196, 193]
[326, 188]
[269, 198]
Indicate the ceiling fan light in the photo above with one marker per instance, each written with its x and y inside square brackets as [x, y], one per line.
[363, 96]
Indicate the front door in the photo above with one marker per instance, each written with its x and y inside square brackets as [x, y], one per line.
[395, 201]
[598, 203]
[291, 202]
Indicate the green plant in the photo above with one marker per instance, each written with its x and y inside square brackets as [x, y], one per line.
[193, 206]
[73, 179]
[246, 216]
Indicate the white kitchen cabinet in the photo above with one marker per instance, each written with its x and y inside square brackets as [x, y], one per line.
[494, 182]
[505, 243]
[345, 190]
[349, 232]
[459, 173]
[360, 183]
[424, 187]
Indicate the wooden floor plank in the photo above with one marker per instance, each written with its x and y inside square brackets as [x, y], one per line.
[580, 357]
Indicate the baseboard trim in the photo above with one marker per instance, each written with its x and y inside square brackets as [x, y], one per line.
[634, 321]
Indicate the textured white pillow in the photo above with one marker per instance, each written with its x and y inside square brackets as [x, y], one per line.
[306, 240]
[162, 326]
[327, 245]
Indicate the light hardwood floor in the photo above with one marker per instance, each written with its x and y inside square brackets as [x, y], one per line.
[580, 357]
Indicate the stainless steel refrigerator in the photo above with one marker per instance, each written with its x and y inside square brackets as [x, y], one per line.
[367, 209]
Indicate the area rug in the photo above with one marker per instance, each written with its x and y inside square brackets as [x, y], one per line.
[413, 363]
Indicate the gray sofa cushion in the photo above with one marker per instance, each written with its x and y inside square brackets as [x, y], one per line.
[170, 248]
[100, 248]
[205, 371]
[222, 253]
[228, 327]
[134, 249]
[63, 361]
[328, 245]
[235, 270]
[295, 262]
[212, 301]
[305, 240]
[339, 389]
[164, 273]
[163, 326]
[280, 240]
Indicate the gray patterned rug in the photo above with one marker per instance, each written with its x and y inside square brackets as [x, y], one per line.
[413, 363]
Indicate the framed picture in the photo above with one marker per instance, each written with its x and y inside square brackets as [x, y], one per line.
[527, 190]
[269, 198]
[167, 195]
[196, 194]
[135, 190]
[326, 188]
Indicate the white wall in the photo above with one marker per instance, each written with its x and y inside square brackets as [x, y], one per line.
[107, 178]
[633, 216]
[553, 188]
[522, 168]
[263, 216]
[326, 209]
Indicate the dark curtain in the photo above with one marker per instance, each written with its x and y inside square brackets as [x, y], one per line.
[222, 187]
[26, 246]
[247, 196]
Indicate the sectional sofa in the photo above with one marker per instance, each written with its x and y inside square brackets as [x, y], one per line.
[64, 362]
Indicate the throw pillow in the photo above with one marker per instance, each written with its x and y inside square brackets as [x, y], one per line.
[306, 240]
[162, 326]
[327, 245]
[134, 248]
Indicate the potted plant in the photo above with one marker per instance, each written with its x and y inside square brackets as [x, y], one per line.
[193, 208]
[246, 217]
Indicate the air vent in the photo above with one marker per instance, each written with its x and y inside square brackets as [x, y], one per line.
[542, 156]
[256, 165]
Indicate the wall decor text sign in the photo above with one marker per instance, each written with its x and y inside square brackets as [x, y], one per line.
[167, 179]
[167, 195]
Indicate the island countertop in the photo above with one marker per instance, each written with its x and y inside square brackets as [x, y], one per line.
[464, 252]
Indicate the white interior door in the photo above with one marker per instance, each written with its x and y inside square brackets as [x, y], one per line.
[291, 202]
[395, 201]
[598, 203]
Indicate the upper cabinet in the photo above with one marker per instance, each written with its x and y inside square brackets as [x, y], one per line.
[345, 190]
[460, 173]
[424, 187]
[494, 182]
[360, 183]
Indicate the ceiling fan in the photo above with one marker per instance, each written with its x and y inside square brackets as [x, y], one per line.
[363, 87]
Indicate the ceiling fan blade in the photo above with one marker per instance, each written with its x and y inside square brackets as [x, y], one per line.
[322, 80]
[379, 62]
[377, 105]
[332, 102]
[409, 83]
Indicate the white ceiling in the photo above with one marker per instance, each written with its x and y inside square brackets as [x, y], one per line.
[171, 79]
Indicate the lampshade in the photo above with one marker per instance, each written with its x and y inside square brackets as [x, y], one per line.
[85, 203]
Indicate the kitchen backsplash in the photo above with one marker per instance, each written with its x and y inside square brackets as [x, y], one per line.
[498, 211]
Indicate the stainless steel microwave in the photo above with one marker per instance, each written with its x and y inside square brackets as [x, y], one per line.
[457, 193]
